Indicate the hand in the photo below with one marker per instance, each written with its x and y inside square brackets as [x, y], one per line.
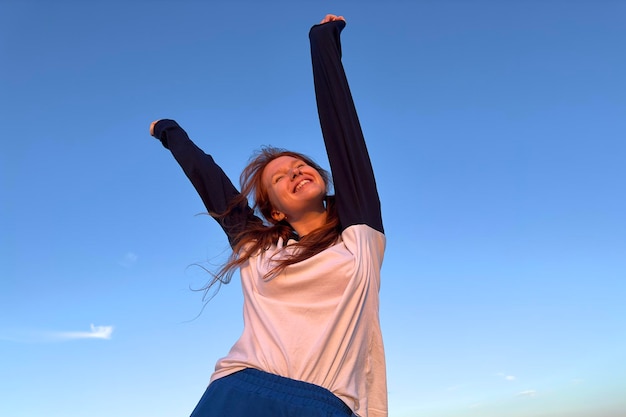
[331, 18]
[152, 127]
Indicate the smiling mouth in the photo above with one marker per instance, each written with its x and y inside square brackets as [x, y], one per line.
[300, 185]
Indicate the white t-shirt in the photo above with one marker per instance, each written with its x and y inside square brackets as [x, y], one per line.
[318, 320]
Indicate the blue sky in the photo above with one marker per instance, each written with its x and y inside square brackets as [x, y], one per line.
[497, 133]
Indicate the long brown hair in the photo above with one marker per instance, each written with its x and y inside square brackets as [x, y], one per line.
[259, 236]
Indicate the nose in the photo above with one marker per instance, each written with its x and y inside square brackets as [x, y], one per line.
[295, 172]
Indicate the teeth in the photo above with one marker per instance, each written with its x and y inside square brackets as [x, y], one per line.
[301, 184]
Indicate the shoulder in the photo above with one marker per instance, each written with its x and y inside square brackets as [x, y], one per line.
[361, 238]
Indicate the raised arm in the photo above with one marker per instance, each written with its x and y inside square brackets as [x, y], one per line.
[353, 177]
[214, 187]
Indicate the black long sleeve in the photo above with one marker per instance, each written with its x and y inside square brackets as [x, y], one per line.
[353, 176]
[214, 187]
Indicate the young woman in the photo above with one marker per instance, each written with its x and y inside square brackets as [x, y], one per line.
[309, 264]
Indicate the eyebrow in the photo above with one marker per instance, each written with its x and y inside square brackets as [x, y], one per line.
[284, 168]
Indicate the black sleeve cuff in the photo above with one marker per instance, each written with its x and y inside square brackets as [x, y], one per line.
[161, 128]
[327, 32]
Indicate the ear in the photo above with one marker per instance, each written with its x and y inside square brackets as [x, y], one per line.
[278, 216]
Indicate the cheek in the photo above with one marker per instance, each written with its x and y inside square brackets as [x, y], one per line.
[321, 181]
[273, 197]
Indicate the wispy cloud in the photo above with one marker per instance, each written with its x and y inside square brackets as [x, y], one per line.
[96, 332]
[527, 393]
[129, 259]
[45, 336]
[506, 377]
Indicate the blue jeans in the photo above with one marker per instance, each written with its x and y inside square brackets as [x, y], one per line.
[254, 393]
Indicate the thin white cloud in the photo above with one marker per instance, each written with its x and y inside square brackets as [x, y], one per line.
[129, 259]
[527, 393]
[34, 336]
[506, 377]
[97, 332]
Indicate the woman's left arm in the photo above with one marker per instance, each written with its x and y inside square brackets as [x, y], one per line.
[353, 176]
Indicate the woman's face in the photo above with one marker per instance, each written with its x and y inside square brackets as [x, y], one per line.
[293, 187]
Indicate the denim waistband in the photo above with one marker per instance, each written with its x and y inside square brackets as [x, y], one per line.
[297, 392]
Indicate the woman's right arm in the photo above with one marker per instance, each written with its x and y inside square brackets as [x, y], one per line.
[214, 187]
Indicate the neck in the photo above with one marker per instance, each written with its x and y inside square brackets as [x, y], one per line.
[308, 222]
